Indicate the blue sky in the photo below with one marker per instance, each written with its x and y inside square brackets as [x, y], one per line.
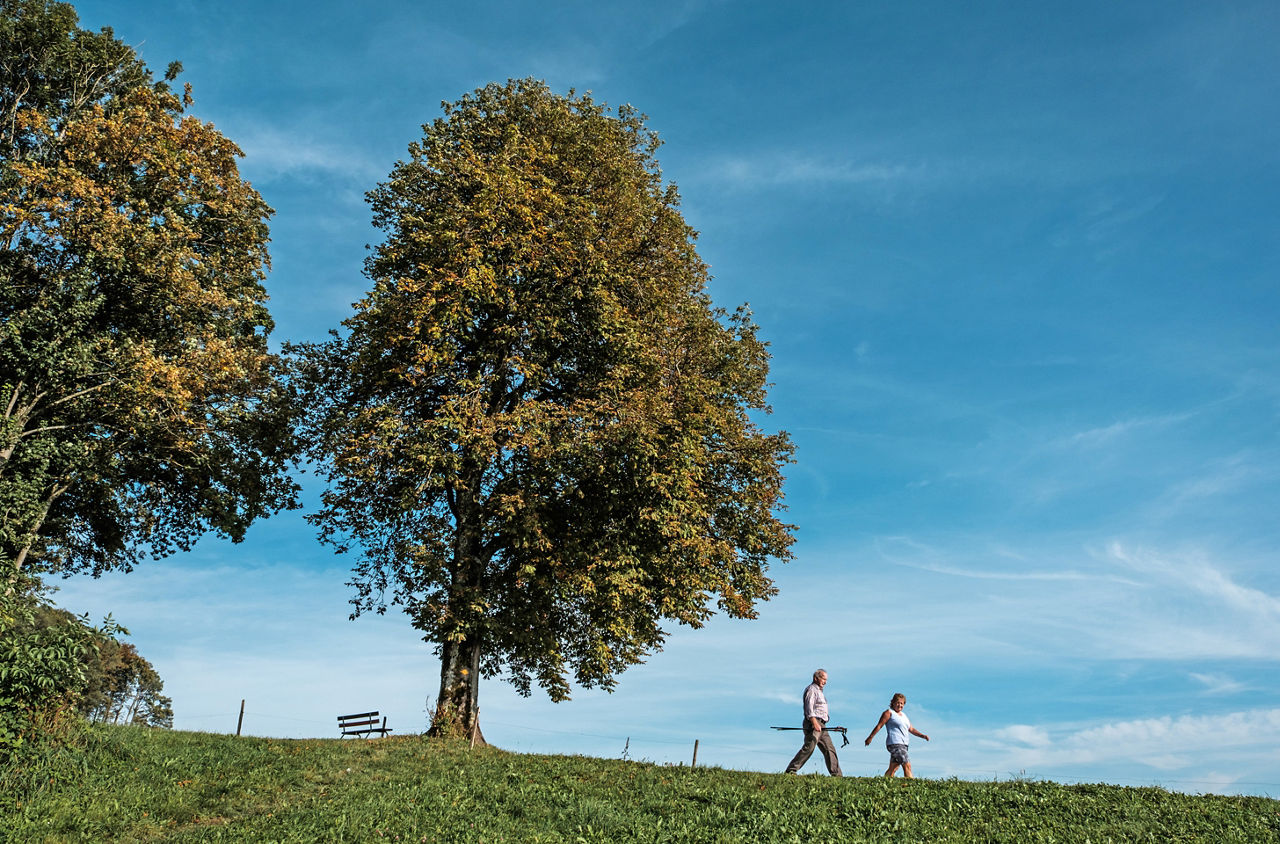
[1018, 267]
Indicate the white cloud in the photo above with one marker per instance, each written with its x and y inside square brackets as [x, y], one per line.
[1224, 478]
[273, 152]
[1218, 684]
[911, 553]
[1179, 751]
[1168, 762]
[1157, 737]
[1205, 580]
[1052, 600]
[1011, 575]
[1024, 734]
[1111, 218]
[765, 171]
[1097, 437]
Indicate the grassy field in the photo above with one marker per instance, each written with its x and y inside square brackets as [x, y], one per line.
[134, 784]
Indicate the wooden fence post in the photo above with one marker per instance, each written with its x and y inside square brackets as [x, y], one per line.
[240, 722]
[695, 754]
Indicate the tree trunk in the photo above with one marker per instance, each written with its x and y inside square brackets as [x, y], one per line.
[457, 708]
[21, 558]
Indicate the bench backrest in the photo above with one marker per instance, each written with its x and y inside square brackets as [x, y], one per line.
[357, 721]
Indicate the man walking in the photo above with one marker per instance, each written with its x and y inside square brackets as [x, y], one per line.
[815, 719]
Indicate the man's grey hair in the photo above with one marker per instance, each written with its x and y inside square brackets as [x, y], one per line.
[819, 673]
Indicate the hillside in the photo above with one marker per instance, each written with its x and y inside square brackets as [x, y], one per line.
[134, 784]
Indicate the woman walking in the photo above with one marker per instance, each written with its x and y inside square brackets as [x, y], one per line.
[898, 734]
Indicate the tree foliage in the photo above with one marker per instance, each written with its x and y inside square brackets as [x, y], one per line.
[56, 668]
[537, 429]
[141, 406]
[44, 658]
[123, 687]
[51, 66]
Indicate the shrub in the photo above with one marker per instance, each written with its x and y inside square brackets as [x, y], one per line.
[42, 665]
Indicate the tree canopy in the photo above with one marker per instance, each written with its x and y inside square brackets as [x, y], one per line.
[536, 428]
[141, 405]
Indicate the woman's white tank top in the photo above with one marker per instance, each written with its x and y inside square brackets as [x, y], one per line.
[896, 730]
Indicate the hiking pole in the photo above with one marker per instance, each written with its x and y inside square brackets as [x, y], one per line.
[843, 731]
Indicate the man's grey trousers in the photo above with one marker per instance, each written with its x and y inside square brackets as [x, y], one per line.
[823, 743]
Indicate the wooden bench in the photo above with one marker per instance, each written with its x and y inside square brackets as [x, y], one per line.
[362, 724]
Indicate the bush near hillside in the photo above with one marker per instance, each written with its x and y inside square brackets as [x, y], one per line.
[42, 668]
[56, 669]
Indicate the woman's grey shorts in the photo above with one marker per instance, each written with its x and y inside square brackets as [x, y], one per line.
[898, 754]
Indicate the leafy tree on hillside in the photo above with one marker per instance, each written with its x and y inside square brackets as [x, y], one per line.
[46, 661]
[115, 683]
[49, 65]
[141, 406]
[124, 687]
[536, 428]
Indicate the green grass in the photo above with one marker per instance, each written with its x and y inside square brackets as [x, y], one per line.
[134, 784]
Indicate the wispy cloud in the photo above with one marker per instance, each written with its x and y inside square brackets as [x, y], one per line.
[1058, 600]
[1109, 434]
[1012, 575]
[1110, 216]
[1183, 749]
[1204, 579]
[1218, 684]
[1226, 476]
[1153, 738]
[273, 152]
[1024, 734]
[798, 170]
[911, 553]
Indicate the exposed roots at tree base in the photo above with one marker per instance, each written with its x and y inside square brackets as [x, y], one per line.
[447, 722]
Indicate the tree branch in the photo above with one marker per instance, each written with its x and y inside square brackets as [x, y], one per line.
[54, 494]
[40, 430]
[78, 393]
[13, 399]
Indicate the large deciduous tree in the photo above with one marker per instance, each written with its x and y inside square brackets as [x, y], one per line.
[537, 430]
[141, 405]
